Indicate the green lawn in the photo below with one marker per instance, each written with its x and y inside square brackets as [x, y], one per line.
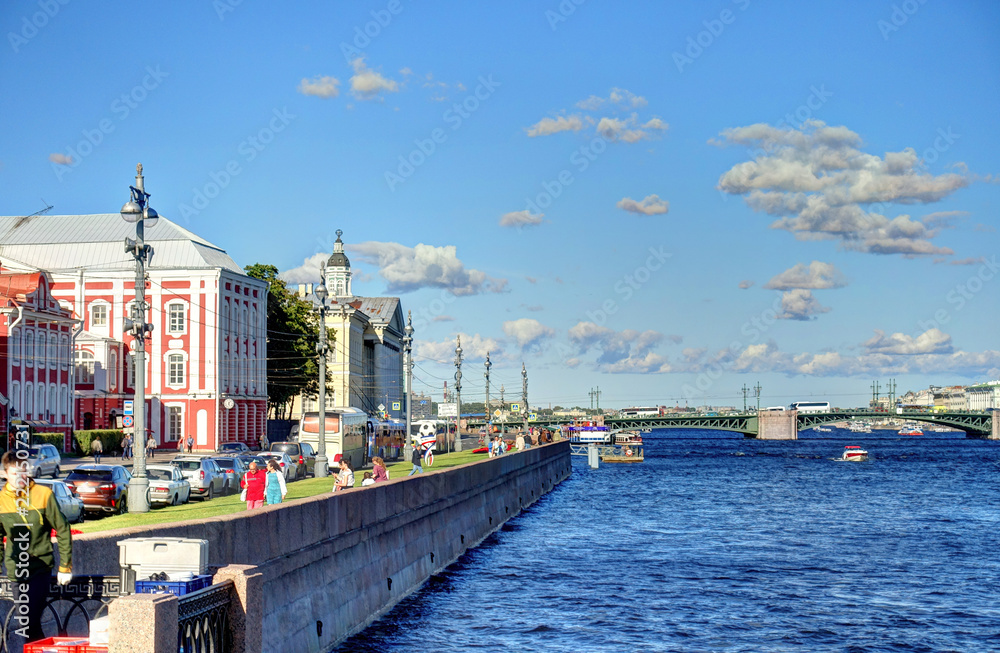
[228, 505]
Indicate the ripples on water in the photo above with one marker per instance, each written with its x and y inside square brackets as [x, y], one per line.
[717, 543]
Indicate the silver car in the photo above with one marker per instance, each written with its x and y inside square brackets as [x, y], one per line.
[205, 477]
[167, 485]
[43, 460]
[70, 503]
[287, 465]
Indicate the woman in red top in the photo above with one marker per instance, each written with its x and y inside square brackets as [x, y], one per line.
[254, 482]
[378, 469]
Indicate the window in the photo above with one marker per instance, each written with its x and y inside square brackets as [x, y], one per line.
[64, 362]
[175, 370]
[53, 350]
[176, 318]
[84, 367]
[15, 396]
[29, 348]
[40, 403]
[15, 345]
[130, 371]
[67, 407]
[99, 315]
[40, 350]
[29, 400]
[53, 402]
[113, 370]
[175, 423]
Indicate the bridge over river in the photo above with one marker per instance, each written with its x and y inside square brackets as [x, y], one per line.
[784, 425]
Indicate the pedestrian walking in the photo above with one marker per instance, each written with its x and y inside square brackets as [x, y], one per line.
[131, 447]
[29, 514]
[379, 472]
[151, 446]
[190, 443]
[264, 444]
[254, 484]
[345, 479]
[96, 449]
[415, 458]
[275, 491]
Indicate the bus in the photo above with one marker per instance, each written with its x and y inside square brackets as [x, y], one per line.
[345, 434]
[811, 406]
[647, 411]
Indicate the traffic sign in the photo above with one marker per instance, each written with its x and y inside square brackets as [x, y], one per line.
[395, 405]
[532, 416]
[496, 413]
[515, 408]
[381, 407]
[128, 421]
[127, 407]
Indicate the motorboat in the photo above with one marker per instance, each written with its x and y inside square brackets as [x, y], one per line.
[821, 429]
[910, 430]
[859, 427]
[628, 438]
[854, 453]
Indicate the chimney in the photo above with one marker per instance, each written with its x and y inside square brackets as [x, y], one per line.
[302, 290]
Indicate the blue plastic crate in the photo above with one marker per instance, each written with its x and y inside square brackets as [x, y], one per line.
[175, 587]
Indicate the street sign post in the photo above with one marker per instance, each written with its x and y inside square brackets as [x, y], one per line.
[395, 405]
[128, 407]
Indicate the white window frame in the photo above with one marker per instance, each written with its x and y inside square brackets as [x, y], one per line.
[169, 372]
[29, 347]
[180, 433]
[63, 361]
[29, 401]
[15, 346]
[15, 397]
[78, 364]
[183, 317]
[107, 315]
[113, 370]
[53, 349]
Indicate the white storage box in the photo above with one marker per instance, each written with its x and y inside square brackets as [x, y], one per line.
[174, 555]
[99, 631]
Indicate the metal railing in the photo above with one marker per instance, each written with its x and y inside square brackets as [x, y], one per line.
[68, 608]
[203, 620]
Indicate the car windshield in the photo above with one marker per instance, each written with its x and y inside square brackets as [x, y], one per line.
[89, 475]
[188, 465]
[33, 452]
[159, 474]
[287, 448]
[225, 463]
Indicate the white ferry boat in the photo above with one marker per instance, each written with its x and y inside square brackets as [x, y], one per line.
[854, 453]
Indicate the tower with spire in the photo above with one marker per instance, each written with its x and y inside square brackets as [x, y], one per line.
[338, 271]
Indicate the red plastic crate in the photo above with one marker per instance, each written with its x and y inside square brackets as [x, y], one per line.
[63, 645]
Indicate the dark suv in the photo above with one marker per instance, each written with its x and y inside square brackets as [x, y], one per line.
[300, 452]
[103, 488]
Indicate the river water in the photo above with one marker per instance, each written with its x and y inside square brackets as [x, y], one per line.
[717, 543]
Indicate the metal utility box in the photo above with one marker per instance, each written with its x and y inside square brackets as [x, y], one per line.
[140, 557]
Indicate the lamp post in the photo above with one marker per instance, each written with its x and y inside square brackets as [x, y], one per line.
[408, 370]
[321, 348]
[489, 422]
[503, 413]
[138, 211]
[524, 398]
[458, 394]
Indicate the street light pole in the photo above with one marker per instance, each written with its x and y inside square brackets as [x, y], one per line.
[458, 394]
[489, 422]
[503, 414]
[524, 398]
[322, 464]
[137, 210]
[408, 370]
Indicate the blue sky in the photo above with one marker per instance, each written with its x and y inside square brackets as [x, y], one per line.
[835, 158]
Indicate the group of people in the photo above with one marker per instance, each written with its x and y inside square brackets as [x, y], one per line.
[127, 446]
[498, 446]
[264, 486]
[345, 477]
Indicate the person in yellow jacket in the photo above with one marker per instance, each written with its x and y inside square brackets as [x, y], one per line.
[28, 514]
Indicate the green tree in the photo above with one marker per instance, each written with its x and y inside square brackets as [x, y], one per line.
[292, 334]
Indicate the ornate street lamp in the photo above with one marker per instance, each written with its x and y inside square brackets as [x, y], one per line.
[321, 349]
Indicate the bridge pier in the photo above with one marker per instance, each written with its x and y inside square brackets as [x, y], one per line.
[777, 425]
[995, 433]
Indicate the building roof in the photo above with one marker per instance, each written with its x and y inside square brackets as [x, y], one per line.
[338, 258]
[64, 243]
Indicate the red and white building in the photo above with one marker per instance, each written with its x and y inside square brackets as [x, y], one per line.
[206, 359]
[36, 354]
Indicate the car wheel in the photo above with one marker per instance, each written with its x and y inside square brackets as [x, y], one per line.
[55, 472]
[123, 504]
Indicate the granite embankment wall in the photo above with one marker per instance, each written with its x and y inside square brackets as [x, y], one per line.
[332, 564]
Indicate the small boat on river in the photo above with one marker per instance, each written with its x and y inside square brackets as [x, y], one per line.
[910, 430]
[854, 453]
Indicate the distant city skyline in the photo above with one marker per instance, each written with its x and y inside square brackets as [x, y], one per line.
[666, 202]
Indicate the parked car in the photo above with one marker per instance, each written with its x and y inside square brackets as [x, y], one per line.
[301, 453]
[233, 468]
[233, 448]
[167, 485]
[70, 503]
[246, 459]
[287, 465]
[205, 477]
[43, 460]
[103, 488]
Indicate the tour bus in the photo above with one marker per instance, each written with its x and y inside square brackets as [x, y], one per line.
[647, 411]
[345, 434]
[811, 406]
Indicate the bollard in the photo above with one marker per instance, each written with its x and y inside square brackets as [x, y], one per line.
[593, 457]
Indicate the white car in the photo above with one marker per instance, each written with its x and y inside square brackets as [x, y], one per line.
[70, 504]
[167, 485]
[288, 466]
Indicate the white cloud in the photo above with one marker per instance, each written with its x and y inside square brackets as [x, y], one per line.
[425, 266]
[799, 304]
[746, 283]
[547, 126]
[522, 218]
[620, 351]
[474, 347]
[932, 341]
[308, 272]
[815, 276]
[650, 205]
[617, 96]
[527, 332]
[622, 129]
[819, 185]
[324, 87]
[367, 84]
[61, 159]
